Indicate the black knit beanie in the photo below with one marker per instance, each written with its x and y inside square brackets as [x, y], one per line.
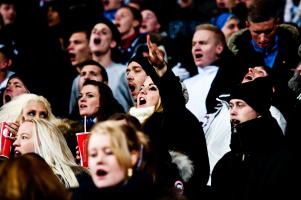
[257, 94]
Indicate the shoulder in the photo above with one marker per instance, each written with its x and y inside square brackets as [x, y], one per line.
[190, 81]
[236, 39]
[289, 30]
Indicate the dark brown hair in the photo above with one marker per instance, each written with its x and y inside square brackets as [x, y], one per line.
[30, 177]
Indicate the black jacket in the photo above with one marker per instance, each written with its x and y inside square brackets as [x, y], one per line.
[176, 128]
[259, 165]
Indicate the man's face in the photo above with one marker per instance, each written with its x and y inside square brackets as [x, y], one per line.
[263, 33]
[8, 13]
[205, 48]
[101, 39]
[125, 22]
[135, 76]
[230, 27]
[241, 112]
[14, 87]
[254, 73]
[78, 48]
[149, 22]
[90, 72]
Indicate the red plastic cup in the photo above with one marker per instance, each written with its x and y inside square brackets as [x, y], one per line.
[82, 141]
[5, 141]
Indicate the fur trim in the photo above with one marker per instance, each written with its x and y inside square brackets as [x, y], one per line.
[184, 164]
[142, 113]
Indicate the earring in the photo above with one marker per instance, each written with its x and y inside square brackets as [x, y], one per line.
[130, 172]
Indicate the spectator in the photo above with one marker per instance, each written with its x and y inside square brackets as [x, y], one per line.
[105, 45]
[268, 42]
[227, 22]
[97, 102]
[155, 104]
[88, 70]
[30, 177]
[6, 62]
[216, 70]
[44, 138]
[128, 21]
[255, 168]
[15, 87]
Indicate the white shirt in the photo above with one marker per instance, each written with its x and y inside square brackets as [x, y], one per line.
[198, 88]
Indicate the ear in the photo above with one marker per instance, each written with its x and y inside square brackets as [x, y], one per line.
[247, 23]
[113, 44]
[6, 63]
[135, 23]
[219, 49]
[134, 157]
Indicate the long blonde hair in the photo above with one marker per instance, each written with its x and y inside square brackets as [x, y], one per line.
[50, 144]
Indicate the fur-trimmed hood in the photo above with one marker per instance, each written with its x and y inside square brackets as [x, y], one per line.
[184, 165]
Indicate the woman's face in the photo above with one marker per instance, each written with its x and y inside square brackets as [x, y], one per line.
[35, 109]
[89, 101]
[103, 164]
[24, 142]
[148, 95]
[14, 87]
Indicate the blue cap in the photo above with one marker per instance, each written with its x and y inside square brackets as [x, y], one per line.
[221, 19]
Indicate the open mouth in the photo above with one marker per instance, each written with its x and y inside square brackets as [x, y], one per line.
[96, 41]
[249, 77]
[17, 153]
[7, 98]
[101, 172]
[234, 122]
[82, 106]
[142, 101]
[72, 55]
[198, 55]
[132, 87]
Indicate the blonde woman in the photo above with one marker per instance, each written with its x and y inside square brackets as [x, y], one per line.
[116, 156]
[44, 138]
[25, 106]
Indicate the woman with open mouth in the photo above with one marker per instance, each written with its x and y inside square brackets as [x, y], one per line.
[169, 125]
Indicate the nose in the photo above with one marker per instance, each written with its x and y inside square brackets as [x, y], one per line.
[262, 37]
[100, 158]
[129, 76]
[236, 29]
[251, 70]
[16, 143]
[82, 99]
[143, 91]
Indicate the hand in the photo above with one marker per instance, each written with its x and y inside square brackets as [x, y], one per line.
[13, 128]
[155, 55]
[77, 158]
